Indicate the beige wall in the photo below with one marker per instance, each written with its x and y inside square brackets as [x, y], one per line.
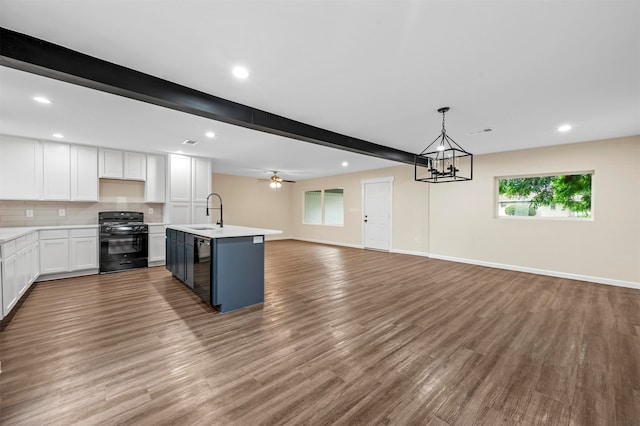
[248, 202]
[461, 222]
[409, 218]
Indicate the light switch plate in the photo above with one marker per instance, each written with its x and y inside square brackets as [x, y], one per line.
[61, 212]
[29, 213]
[150, 210]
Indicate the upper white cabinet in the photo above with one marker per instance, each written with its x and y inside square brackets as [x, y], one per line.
[135, 166]
[111, 164]
[114, 164]
[180, 177]
[84, 173]
[56, 171]
[200, 178]
[155, 186]
[20, 169]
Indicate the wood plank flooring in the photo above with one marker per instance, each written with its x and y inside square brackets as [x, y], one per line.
[346, 336]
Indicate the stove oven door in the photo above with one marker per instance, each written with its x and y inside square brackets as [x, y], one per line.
[126, 250]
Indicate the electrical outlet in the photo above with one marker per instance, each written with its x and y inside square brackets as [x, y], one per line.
[61, 212]
[150, 210]
[29, 213]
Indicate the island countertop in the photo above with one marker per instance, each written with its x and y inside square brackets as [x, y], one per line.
[228, 231]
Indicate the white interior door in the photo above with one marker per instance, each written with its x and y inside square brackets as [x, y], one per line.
[376, 210]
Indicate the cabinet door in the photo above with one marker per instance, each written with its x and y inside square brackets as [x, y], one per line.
[84, 253]
[180, 177]
[110, 164]
[23, 270]
[54, 256]
[180, 213]
[180, 261]
[20, 169]
[35, 261]
[201, 179]
[135, 166]
[199, 213]
[155, 185]
[56, 171]
[189, 260]
[84, 173]
[9, 293]
[156, 247]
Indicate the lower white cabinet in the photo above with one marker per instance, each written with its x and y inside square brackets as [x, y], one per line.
[18, 269]
[54, 256]
[68, 250]
[84, 253]
[157, 247]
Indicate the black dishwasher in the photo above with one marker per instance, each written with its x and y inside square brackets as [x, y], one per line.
[202, 268]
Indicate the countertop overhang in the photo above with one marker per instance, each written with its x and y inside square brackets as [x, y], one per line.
[228, 231]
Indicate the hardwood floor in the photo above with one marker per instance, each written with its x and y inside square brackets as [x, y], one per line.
[346, 336]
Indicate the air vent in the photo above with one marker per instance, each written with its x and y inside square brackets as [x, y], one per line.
[481, 131]
[189, 142]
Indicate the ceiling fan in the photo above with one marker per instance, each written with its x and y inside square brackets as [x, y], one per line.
[275, 180]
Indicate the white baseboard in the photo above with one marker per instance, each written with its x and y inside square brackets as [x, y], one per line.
[411, 252]
[331, 243]
[557, 274]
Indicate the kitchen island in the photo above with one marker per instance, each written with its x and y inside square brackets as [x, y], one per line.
[224, 266]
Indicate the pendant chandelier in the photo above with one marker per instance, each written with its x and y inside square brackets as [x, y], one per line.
[443, 160]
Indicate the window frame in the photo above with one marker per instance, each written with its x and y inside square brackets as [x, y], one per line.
[322, 207]
[496, 197]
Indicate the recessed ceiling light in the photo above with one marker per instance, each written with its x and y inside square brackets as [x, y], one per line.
[564, 128]
[210, 135]
[58, 135]
[345, 164]
[41, 99]
[240, 72]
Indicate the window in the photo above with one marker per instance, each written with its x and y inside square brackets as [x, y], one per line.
[324, 206]
[545, 196]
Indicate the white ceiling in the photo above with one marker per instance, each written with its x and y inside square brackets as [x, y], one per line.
[375, 70]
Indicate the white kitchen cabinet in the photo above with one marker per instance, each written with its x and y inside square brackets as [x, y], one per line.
[84, 173]
[56, 171]
[157, 245]
[199, 213]
[155, 186]
[180, 177]
[201, 179]
[9, 290]
[68, 250]
[54, 256]
[135, 166]
[17, 269]
[84, 253]
[114, 164]
[180, 213]
[111, 164]
[20, 169]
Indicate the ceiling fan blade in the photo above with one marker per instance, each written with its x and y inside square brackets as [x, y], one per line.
[288, 181]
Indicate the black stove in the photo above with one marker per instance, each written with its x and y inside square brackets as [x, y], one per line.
[123, 241]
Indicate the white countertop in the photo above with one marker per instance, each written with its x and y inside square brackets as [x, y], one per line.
[214, 231]
[11, 233]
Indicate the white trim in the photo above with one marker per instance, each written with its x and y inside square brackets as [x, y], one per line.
[410, 252]
[385, 179]
[331, 243]
[558, 274]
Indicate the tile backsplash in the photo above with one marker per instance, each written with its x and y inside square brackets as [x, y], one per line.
[45, 213]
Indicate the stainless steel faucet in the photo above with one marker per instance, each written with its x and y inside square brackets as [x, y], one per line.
[215, 208]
